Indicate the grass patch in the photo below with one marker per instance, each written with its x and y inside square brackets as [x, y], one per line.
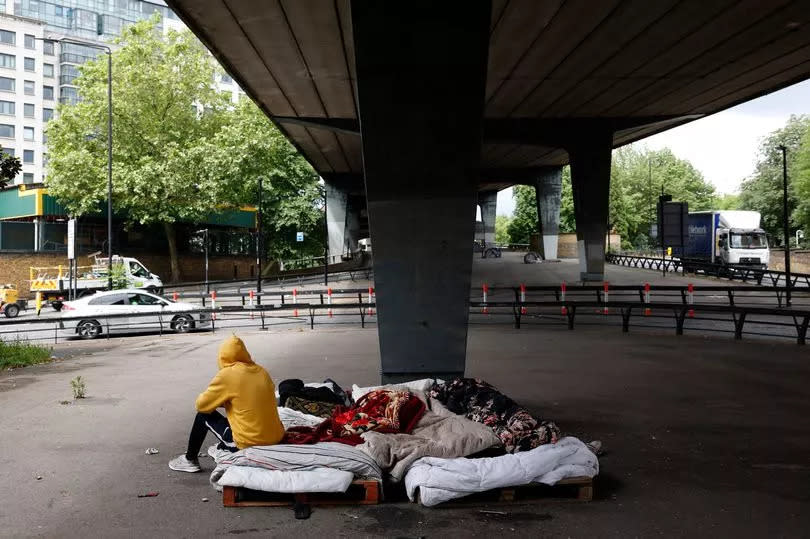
[22, 354]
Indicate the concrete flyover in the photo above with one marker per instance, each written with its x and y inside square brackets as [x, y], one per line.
[427, 104]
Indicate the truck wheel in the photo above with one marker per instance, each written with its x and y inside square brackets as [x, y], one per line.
[57, 306]
[182, 323]
[12, 310]
[88, 329]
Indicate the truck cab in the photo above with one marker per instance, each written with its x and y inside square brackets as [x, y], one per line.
[743, 247]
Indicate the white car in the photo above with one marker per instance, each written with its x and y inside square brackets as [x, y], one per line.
[90, 314]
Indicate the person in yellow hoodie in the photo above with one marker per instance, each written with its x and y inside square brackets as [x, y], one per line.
[248, 395]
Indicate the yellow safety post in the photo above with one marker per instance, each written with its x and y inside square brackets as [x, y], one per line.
[31, 274]
[39, 302]
[60, 271]
[669, 251]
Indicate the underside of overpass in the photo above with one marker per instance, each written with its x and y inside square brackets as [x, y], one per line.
[428, 107]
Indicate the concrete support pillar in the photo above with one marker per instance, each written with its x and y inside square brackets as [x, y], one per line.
[548, 190]
[590, 179]
[336, 204]
[421, 75]
[352, 228]
[488, 201]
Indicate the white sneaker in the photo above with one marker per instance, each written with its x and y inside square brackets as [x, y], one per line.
[218, 454]
[182, 464]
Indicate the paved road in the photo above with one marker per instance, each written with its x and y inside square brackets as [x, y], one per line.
[703, 436]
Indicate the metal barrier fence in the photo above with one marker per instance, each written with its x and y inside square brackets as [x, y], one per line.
[734, 273]
[584, 305]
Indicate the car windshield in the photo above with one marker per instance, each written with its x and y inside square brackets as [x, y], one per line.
[749, 240]
[137, 270]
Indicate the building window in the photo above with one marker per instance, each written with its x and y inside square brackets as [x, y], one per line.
[7, 107]
[28, 157]
[30, 42]
[30, 64]
[28, 133]
[47, 70]
[47, 114]
[9, 151]
[6, 131]
[9, 61]
[28, 87]
[47, 92]
[28, 178]
[6, 84]
[28, 110]
[226, 79]
[47, 47]
[8, 37]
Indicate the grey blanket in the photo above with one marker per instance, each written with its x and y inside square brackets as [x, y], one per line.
[440, 433]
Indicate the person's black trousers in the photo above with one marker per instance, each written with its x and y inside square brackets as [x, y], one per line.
[214, 422]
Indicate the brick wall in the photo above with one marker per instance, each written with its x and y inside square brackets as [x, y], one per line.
[799, 261]
[14, 267]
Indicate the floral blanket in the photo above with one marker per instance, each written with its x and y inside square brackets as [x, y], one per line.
[382, 410]
[514, 425]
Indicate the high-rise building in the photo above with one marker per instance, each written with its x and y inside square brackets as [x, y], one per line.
[37, 71]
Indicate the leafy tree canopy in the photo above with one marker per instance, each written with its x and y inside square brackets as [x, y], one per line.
[10, 167]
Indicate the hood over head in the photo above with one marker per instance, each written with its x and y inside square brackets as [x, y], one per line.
[233, 350]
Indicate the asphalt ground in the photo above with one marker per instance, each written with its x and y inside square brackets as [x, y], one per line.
[703, 436]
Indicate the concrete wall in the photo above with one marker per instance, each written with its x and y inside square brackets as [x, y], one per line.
[799, 260]
[14, 267]
[567, 244]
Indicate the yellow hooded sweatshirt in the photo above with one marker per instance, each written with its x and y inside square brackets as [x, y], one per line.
[248, 394]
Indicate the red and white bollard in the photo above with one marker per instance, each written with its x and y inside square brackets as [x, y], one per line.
[329, 301]
[371, 300]
[214, 304]
[484, 292]
[647, 310]
[295, 300]
[250, 302]
[690, 298]
[606, 286]
[522, 298]
[564, 309]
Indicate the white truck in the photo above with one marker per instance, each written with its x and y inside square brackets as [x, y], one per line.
[731, 238]
[55, 282]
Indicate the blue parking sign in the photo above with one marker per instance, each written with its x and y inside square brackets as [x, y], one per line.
[299, 236]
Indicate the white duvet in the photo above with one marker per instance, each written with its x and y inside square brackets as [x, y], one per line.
[439, 480]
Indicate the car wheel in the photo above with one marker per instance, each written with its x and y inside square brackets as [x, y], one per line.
[88, 329]
[12, 310]
[182, 323]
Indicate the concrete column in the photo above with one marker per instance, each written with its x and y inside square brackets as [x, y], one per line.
[421, 75]
[352, 228]
[548, 190]
[336, 202]
[590, 180]
[488, 201]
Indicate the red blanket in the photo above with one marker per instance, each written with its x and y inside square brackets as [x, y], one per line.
[381, 410]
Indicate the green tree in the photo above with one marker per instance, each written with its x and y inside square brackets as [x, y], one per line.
[502, 236]
[799, 178]
[10, 167]
[249, 146]
[524, 219]
[762, 191]
[727, 201]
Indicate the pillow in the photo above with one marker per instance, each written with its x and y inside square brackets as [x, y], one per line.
[417, 387]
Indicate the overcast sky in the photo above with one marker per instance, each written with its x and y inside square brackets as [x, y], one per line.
[722, 146]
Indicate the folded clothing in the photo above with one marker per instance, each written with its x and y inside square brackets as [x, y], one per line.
[439, 480]
[329, 392]
[479, 401]
[294, 418]
[288, 481]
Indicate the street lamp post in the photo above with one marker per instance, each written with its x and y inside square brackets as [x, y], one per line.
[785, 223]
[107, 50]
[259, 243]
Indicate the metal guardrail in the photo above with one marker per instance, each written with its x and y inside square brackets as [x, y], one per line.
[741, 273]
[521, 312]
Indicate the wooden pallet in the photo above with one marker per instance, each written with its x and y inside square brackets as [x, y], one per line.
[360, 492]
[577, 488]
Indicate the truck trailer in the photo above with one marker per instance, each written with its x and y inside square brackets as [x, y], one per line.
[730, 238]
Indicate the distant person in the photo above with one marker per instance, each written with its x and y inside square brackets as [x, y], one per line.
[248, 395]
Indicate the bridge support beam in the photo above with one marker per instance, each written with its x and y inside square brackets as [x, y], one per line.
[488, 201]
[590, 179]
[421, 75]
[548, 189]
